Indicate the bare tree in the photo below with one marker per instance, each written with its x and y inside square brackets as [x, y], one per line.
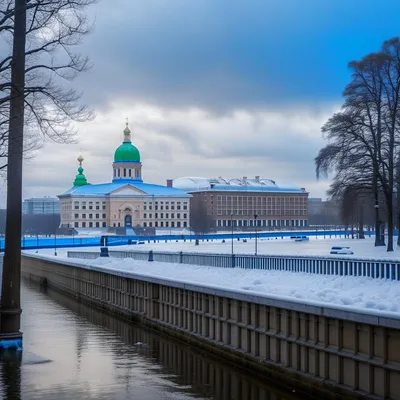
[53, 29]
[364, 135]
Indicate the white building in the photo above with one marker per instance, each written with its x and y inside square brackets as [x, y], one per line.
[125, 202]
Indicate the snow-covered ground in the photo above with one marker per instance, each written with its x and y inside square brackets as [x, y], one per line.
[373, 296]
[361, 247]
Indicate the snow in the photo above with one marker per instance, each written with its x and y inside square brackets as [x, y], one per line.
[362, 294]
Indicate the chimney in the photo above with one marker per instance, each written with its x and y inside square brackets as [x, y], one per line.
[245, 179]
[257, 178]
[169, 182]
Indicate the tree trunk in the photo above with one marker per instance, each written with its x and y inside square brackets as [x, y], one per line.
[361, 234]
[390, 223]
[378, 238]
[11, 285]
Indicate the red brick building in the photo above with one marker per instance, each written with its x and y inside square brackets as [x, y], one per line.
[245, 203]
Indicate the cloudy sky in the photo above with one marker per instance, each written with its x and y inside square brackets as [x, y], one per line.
[214, 88]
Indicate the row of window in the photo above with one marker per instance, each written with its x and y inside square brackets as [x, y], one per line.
[178, 216]
[126, 173]
[166, 207]
[90, 224]
[261, 200]
[302, 211]
[160, 224]
[261, 223]
[90, 216]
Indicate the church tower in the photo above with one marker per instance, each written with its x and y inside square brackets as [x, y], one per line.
[127, 166]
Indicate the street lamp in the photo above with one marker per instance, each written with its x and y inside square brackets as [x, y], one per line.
[379, 240]
[255, 224]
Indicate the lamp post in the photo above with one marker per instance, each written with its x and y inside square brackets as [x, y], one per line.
[379, 240]
[232, 230]
[255, 224]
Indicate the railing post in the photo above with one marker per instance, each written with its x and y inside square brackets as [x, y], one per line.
[233, 261]
[151, 255]
[181, 257]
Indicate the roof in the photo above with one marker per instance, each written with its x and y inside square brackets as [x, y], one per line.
[199, 184]
[126, 188]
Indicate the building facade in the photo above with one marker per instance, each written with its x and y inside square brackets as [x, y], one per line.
[41, 205]
[244, 204]
[125, 202]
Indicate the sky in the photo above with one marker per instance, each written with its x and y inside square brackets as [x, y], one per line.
[214, 88]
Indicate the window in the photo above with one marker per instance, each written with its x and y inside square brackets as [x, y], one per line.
[130, 172]
[156, 215]
[90, 216]
[184, 215]
[166, 215]
[185, 224]
[104, 216]
[162, 224]
[144, 215]
[150, 224]
[83, 224]
[76, 224]
[178, 216]
[144, 225]
[83, 215]
[90, 207]
[97, 207]
[172, 224]
[166, 224]
[97, 224]
[104, 207]
[172, 215]
[90, 224]
[76, 215]
[162, 215]
[150, 215]
[156, 224]
[104, 225]
[178, 224]
[97, 216]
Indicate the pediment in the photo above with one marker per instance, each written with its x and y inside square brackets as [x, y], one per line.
[127, 190]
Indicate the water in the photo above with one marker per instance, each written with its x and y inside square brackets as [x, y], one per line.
[72, 351]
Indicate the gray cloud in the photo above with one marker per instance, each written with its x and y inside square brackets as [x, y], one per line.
[181, 142]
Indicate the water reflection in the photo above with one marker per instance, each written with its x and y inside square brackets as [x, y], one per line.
[72, 351]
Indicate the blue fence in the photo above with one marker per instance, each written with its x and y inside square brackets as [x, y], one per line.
[40, 242]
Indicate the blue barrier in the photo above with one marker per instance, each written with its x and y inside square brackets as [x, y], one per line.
[114, 240]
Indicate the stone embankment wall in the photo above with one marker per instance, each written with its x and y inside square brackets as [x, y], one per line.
[328, 352]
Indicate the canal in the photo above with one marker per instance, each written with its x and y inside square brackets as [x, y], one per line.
[72, 351]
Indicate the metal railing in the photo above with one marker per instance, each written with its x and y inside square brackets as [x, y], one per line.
[334, 265]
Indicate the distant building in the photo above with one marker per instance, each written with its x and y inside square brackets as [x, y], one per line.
[243, 203]
[126, 202]
[323, 212]
[315, 205]
[41, 205]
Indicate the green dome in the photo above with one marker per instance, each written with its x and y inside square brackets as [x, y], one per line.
[127, 152]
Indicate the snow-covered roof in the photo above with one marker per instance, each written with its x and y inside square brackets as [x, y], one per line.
[257, 184]
[125, 188]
